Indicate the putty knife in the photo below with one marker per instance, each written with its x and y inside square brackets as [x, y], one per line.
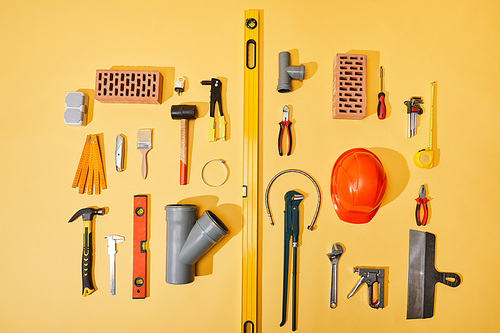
[423, 276]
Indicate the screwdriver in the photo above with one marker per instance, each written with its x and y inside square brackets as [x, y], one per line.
[381, 98]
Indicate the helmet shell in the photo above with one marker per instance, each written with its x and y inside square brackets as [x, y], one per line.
[358, 185]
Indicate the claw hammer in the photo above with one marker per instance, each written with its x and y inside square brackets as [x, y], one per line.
[87, 260]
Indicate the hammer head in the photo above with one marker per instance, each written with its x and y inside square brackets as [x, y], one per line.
[183, 112]
[87, 214]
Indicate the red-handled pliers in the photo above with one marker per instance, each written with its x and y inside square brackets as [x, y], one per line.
[421, 204]
[285, 125]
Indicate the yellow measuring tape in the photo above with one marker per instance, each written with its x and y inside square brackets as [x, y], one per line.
[249, 306]
[424, 158]
[89, 175]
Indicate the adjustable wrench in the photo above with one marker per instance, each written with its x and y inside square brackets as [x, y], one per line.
[112, 241]
[334, 257]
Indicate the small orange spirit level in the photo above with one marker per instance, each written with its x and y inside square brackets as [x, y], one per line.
[139, 288]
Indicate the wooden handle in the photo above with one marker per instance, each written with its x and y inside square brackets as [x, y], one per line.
[144, 167]
[184, 152]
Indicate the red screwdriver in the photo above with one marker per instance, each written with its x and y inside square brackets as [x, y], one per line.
[381, 98]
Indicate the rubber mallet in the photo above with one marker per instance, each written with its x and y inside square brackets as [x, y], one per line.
[184, 113]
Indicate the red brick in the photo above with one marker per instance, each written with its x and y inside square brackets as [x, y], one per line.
[128, 86]
[349, 86]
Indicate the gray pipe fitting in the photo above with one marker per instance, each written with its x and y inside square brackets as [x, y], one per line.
[188, 240]
[287, 73]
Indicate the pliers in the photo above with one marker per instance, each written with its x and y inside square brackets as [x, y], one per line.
[422, 205]
[215, 98]
[285, 125]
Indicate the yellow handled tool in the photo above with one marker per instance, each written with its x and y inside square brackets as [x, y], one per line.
[424, 158]
[87, 215]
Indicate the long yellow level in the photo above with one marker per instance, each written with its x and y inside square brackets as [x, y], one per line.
[249, 305]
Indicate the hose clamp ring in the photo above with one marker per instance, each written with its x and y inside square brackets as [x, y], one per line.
[203, 172]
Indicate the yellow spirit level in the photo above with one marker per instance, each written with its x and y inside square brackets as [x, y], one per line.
[249, 306]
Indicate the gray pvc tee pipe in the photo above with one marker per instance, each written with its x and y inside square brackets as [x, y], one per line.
[188, 240]
[287, 73]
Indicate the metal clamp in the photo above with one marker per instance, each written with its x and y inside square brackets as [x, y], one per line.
[203, 172]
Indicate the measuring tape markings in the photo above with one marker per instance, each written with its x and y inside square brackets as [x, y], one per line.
[100, 165]
[90, 175]
[85, 167]
[80, 165]
[424, 158]
[96, 160]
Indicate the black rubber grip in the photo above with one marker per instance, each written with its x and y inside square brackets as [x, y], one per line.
[289, 132]
[87, 283]
[280, 139]
[417, 214]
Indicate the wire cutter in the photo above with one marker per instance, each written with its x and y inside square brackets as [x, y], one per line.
[215, 98]
[285, 126]
[421, 205]
[292, 201]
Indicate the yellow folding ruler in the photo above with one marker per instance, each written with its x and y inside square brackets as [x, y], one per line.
[249, 305]
[90, 172]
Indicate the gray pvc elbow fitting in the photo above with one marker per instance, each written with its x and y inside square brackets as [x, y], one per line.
[287, 73]
[188, 240]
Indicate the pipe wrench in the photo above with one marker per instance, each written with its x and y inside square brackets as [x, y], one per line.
[215, 98]
[292, 201]
[112, 241]
[370, 276]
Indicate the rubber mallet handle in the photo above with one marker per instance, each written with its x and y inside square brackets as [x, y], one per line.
[184, 113]
[184, 152]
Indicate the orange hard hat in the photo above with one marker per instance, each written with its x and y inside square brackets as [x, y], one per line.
[358, 185]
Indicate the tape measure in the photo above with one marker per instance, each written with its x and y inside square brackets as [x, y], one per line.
[424, 158]
[89, 175]
[249, 306]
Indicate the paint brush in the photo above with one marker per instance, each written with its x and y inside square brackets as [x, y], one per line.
[144, 145]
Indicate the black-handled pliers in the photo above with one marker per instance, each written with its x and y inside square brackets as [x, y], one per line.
[285, 126]
[422, 205]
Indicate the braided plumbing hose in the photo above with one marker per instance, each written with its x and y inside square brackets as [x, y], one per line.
[311, 226]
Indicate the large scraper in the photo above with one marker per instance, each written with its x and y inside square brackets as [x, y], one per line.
[423, 276]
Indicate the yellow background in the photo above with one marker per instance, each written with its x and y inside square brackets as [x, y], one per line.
[52, 47]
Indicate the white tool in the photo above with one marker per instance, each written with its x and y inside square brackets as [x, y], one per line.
[112, 241]
[76, 108]
[119, 153]
[179, 85]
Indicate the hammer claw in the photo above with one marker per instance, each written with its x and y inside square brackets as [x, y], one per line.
[87, 257]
